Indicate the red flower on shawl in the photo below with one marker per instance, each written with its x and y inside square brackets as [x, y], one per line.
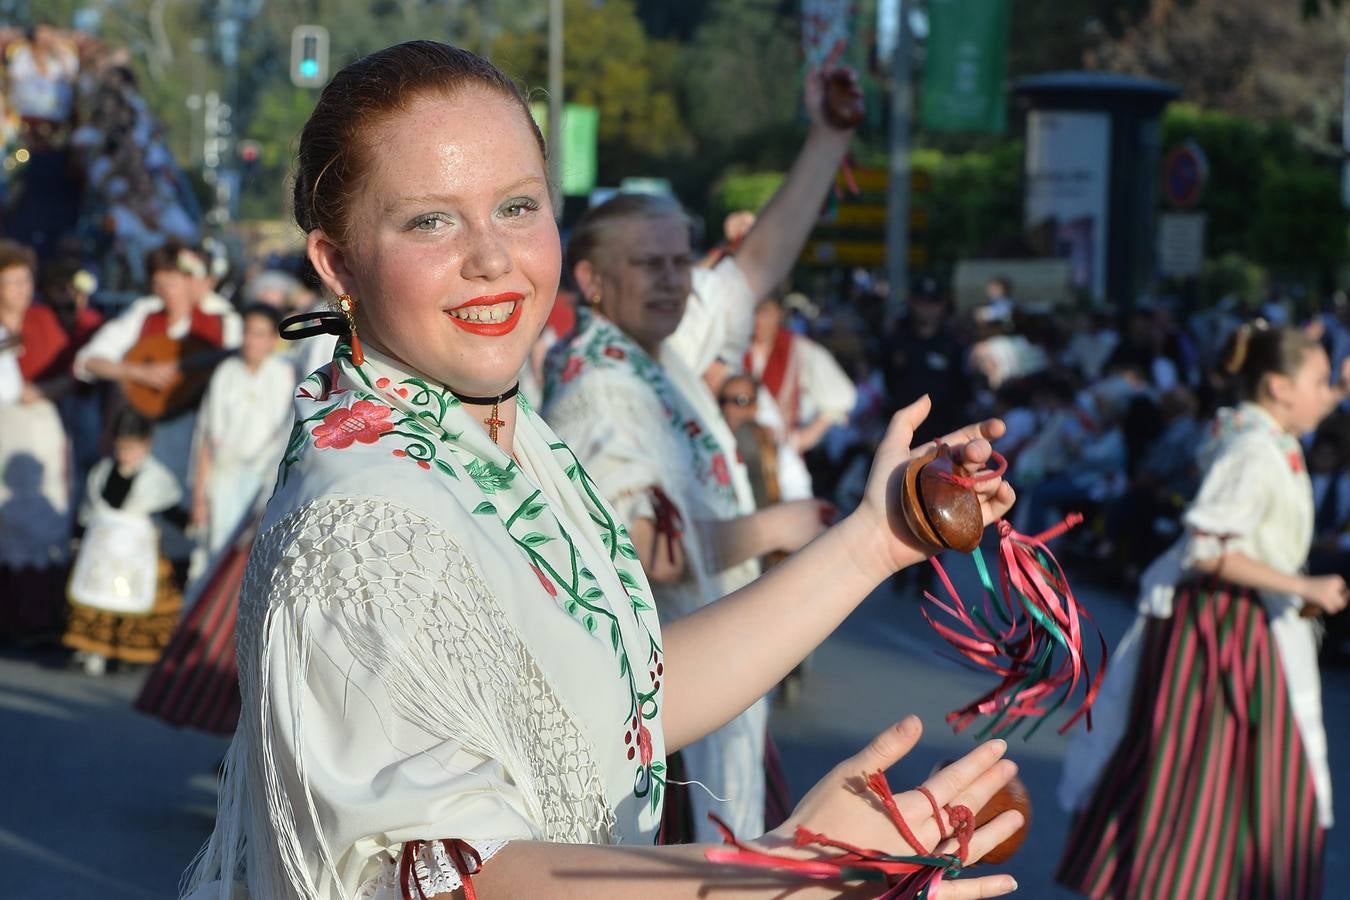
[363, 421]
[693, 428]
[615, 353]
[720, 470]
[1296, 461]
[572, 369]
[645, 744]
[548, 585]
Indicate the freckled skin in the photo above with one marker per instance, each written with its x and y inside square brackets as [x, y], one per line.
[455, 207]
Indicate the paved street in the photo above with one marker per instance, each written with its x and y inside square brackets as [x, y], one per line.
[101, 802]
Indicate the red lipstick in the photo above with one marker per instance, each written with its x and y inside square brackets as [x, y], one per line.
[491, 329]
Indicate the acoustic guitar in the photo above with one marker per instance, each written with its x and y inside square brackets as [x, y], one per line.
[195, 358]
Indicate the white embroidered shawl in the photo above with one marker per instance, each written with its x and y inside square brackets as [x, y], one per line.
[436, 641]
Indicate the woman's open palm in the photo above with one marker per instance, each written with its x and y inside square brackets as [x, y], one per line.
[838, 807]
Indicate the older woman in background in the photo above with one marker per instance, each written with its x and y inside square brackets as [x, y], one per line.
[628, 394]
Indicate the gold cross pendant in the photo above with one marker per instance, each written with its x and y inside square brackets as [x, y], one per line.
[493, 422]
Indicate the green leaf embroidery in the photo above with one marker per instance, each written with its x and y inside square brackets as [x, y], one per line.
[535, 539]
[587, 574]
[638, 604]
[532, 511]
[614, 634]
[485, 509]
[572, 470]
[627, 551]
[659, 768]
[445, 467]
[489, 476]
[589, 621]
[627, 579]
[593, 594]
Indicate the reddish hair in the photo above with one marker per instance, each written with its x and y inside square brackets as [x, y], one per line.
[335, 154]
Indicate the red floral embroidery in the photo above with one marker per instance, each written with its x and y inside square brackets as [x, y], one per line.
[645, 745]
[1295, 461]
[382, 383]
[615, 353]
[720, 470]
[572, 369]
[548, 585]
[363, 421]
[693, 428]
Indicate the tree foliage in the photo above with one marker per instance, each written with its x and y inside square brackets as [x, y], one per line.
[610, 64]
[1257, 58]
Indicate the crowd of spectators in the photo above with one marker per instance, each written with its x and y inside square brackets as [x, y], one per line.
[88, 175]
[1105, 413]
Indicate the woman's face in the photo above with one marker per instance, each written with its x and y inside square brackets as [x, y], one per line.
[453, 258]
[16, 289]
[643, 275]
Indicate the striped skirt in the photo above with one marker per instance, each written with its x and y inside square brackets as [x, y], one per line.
[196, 682]
[1209, 793]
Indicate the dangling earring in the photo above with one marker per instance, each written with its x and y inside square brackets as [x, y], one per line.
[348, 306]
[594, 301]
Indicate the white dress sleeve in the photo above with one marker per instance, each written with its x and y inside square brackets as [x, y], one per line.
[1233, 501]
[114, 338]
[718, 320]
[827, 389]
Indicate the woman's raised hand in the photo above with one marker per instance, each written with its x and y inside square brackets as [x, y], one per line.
[882, 496]
[840, 808]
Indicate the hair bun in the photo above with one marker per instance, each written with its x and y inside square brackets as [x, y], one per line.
[1237, 353]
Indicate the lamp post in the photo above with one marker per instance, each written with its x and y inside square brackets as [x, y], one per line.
[555, 102]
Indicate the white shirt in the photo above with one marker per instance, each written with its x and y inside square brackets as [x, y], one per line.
[119, 335]
[246, 416]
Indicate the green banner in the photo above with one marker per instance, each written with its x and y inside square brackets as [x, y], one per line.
[964, 61]
[580, 133]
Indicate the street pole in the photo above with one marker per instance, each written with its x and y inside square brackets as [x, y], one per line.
[555, 102]
[897, 193]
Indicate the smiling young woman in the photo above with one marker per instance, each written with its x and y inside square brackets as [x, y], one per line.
[453, 679]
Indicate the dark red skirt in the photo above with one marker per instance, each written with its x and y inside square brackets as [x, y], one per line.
[196, 682]
[1209, 793]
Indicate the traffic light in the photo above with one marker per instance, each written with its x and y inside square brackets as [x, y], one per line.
[309, 56]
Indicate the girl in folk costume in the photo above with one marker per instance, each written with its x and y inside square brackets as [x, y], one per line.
[1206, 774]
[123, 601]
[627, 393]
[454, 680]
[35, 515]
[804, 391]
[242, 426]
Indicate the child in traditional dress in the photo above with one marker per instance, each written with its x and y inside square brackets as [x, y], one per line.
[1207, 774]
[242, 428]
[124, 600]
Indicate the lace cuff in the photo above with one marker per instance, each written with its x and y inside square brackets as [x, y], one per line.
[435, 872]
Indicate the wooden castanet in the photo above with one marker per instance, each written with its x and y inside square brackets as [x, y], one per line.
[195, 359]
[1013, 795]
[941, 514]
[842, 103]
